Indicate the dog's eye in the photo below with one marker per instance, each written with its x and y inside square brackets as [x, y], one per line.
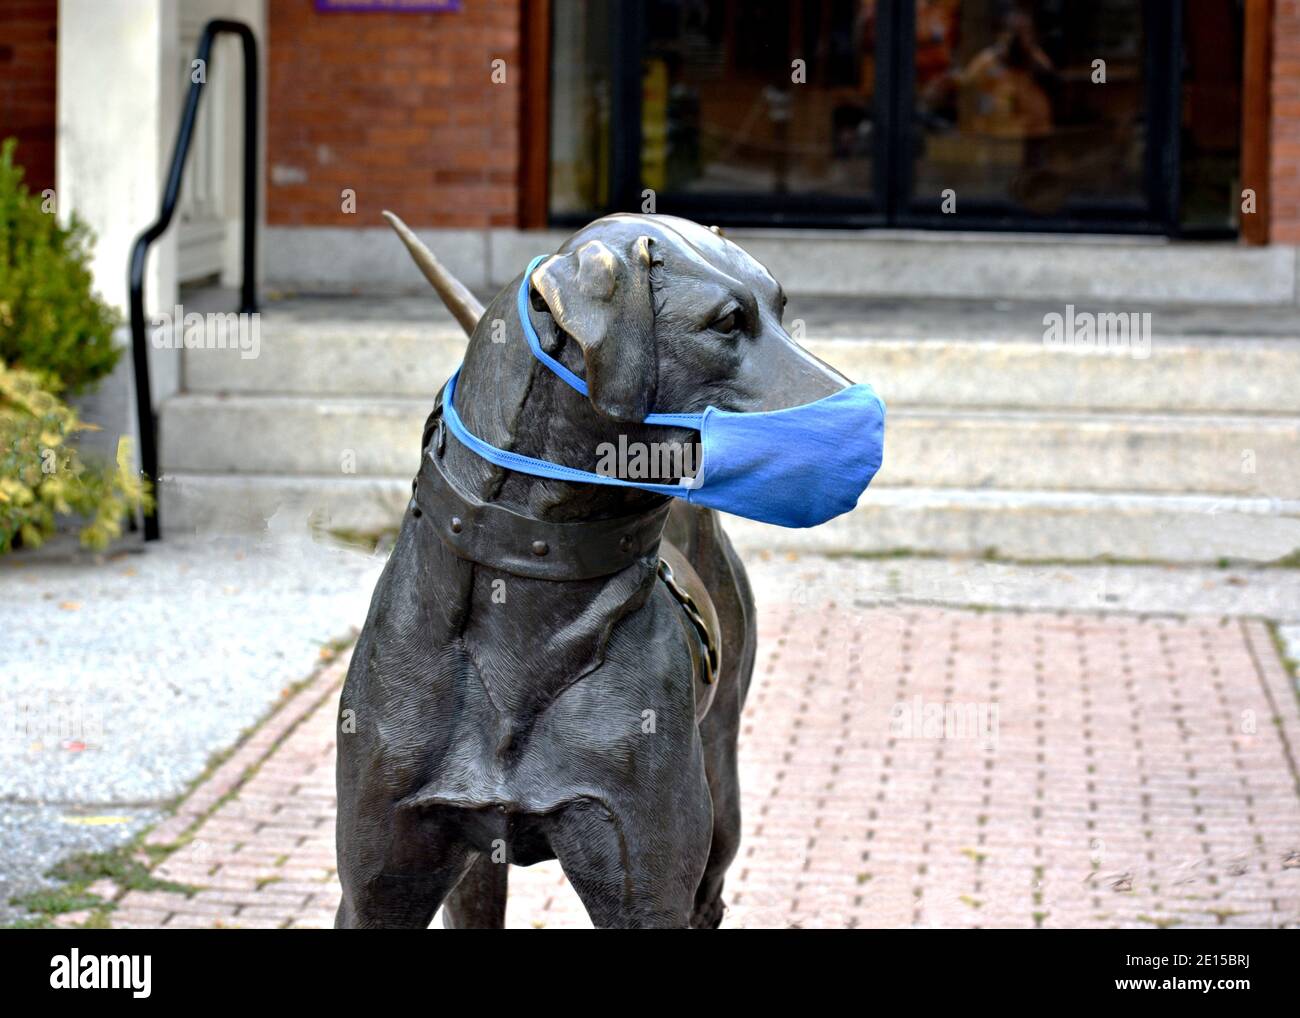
[728, 323]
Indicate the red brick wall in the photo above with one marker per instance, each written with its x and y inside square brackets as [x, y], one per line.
[28, 73]
[399, 107]
[1285, 135]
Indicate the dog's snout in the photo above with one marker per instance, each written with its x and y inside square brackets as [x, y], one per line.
[783, 374]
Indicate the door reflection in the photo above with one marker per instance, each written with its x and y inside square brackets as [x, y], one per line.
[1034, 105]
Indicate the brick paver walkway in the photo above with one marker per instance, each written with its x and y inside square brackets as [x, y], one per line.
[1096, 771]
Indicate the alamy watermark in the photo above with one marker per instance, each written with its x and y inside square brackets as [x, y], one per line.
[650, 461]
[179, 330]
[919, 718]
[75, 971]
[1110, 332]
[51, 722]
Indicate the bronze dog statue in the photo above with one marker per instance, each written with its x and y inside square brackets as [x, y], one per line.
[531, 683]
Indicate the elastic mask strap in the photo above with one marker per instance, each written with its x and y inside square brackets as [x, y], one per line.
[575, 382]
[530, 333]
[531, 465]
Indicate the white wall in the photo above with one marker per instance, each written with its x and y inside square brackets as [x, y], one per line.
[231, 70]
[224, 101]
[118, 108]
[112, 148]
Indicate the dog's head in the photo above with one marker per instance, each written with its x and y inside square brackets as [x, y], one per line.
[672, 317]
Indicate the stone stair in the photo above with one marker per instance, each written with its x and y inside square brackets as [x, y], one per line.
[995, 446]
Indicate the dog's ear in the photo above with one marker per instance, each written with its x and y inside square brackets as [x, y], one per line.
[605, 303]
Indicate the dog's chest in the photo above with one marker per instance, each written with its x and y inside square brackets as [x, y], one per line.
[532, 723]
[528, 640]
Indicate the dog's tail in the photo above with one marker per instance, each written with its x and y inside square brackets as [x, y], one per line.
[463, 305]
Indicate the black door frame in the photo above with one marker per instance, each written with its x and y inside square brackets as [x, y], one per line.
[888, 201]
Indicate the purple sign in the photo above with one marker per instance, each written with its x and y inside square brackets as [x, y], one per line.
[389, 6]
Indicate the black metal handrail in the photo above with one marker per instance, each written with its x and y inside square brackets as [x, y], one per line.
[171, 194]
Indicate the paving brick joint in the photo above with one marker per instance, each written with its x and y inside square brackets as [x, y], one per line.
[902, 766]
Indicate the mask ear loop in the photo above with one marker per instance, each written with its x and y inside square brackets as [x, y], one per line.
[538, 467]
[572, 380]
[530, 333]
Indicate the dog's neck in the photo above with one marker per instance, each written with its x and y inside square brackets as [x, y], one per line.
[507, 397]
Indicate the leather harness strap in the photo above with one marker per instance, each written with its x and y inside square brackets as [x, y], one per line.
[495, 536]
[708, 638]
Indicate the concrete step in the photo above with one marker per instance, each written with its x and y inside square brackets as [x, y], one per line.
[293, 435]
[1180, 376]
[1078, 451]
[401, 358]
[244, 503]
[1048, 526]
[1028, 525]
[338, 358]
[977, 449]
[885, 263]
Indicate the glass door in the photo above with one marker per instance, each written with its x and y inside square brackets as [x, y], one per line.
[753, 112]
[1036, 114]
[763, 110]
[957, 114]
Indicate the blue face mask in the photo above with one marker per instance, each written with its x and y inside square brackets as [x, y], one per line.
[797, 467]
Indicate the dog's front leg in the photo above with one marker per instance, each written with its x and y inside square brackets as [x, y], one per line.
[396, 868]
[478, 902]
[635, 869]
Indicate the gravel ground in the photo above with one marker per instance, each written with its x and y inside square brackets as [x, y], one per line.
[34, 838]
[121, 676]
